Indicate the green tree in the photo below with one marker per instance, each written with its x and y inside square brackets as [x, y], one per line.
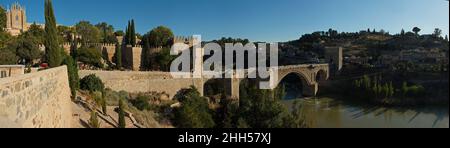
[241, 123]
[297, 118]
[226, 115]
[402, 33]
[141, 102]
[119, 33]
[194, 111]
[92, 83]
[66, 33]
[74, 50]
[93, 120]
[146, 55]
[132, 34]
[106, 32]
[437, 33]
[72, 69]
[91, 56]
[122, 123]
[118, 56]
[27, 48]
[104, 105]
[2, 18]
[416, 30]
[53, 51]
[88, 32]
[37, 32]
[4, 38]
[160, 37]
[164, 59]
[263, 109]
[126, 38]
[7, 57]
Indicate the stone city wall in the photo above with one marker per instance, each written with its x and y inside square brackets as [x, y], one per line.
[36, 100]
[135, 82]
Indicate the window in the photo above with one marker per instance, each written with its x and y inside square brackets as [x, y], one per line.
[17, 17]
[3, 74]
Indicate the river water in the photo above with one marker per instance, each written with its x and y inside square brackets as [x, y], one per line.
[330, 113]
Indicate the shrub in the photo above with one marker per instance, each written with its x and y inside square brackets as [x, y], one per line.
[141, 103]
[194, 111]
[93, 121]
[92, 83]
[122, 123]
[91, 56]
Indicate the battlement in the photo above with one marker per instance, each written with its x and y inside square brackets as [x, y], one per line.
[136, 46]
[182, 39]
[91, 44]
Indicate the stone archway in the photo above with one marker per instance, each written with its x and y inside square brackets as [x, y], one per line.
[297, 79]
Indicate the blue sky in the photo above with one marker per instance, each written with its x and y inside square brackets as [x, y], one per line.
[257, 20]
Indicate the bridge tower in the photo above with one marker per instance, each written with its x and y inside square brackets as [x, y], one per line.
[334, 57]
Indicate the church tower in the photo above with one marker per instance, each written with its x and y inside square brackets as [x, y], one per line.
[16, 21]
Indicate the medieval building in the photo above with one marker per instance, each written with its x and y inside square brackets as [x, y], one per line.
[16, 20]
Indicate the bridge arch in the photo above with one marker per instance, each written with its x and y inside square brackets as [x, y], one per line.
[296, 85]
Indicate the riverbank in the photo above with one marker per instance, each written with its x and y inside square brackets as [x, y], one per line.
[335, 113]
[375, 90]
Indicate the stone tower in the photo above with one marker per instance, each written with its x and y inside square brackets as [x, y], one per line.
[334, 57]
[16, 19]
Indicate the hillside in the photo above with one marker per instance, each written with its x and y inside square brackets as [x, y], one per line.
[360, 44]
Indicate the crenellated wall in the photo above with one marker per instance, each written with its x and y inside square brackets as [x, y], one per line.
[36, 100]
[131, 57]
[135, 82]
[107, 49]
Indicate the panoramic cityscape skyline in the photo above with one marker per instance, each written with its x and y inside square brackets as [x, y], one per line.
[338, 64]
[256, 20]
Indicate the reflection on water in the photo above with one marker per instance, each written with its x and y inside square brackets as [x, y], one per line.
[329, 113]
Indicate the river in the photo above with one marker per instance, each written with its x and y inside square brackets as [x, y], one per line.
[331, 113]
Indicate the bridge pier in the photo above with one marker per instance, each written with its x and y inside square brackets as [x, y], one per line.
[232, 87]
[310, 90]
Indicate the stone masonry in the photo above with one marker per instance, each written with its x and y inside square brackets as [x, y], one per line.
[36, 100]
[135, 82]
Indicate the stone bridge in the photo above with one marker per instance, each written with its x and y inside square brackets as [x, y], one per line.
[309, 74]
[135, 82]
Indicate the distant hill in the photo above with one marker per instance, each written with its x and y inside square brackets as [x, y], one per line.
[361, 43]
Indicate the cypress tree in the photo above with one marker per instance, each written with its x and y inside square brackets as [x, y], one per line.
[122, 123]
[72, 69]
[74, 50]
[124, 41]
[118, 56]
[52, 49]
[133, 34]
[93, 121]
[129, 33]
[146, 54]
[2, 18]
